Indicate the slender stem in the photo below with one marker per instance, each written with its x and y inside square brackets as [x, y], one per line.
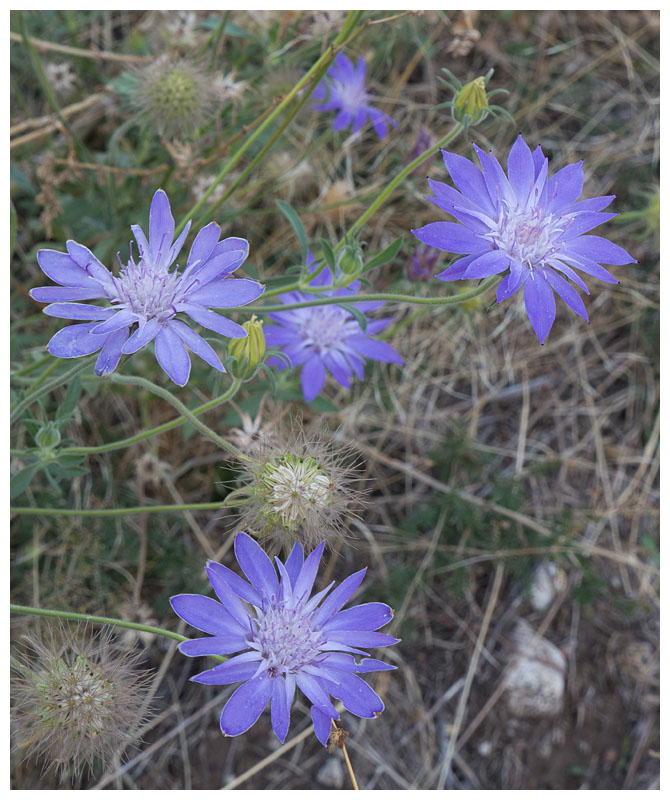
[397, 298]
[267, 146]
[119, 623]
[383, 196]
[340, 743]
[47, 387]
[45, 374]
[138, 437]
[32, 366]
[325, 59]
[350, 769]
[114, 512]
[130, 380]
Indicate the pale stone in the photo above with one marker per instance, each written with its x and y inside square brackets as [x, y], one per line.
[331, 773]
[536, 678]
[548, 581]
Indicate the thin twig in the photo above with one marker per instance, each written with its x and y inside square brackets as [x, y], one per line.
[474, 661]
[96, 55]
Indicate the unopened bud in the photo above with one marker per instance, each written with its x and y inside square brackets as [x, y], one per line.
[48, 436]
[350, 264]
[248, 352]
[471, 103]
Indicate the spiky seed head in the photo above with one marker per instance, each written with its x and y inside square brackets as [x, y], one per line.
[78, 697]
[174, 97]
[298, 488]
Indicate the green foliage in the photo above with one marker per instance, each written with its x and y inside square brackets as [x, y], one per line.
[478, 531]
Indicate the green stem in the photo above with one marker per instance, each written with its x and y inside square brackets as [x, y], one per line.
[119, 623]
[47, 387]
[138, 437]
[396, 298]
[247, 171]
[115, 512]
[325, 59]
[399, 178]
[33, 366]
[181, 408]
[45, 374]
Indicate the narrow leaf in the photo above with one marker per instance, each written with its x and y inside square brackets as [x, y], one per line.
[386, 255]
[295, 223]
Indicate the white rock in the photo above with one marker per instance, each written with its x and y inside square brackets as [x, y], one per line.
[548, 581]
[536, 678]
[485, 749]
[331, 773]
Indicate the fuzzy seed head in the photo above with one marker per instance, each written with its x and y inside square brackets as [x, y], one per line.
[176, 98]
[297, 488]
[78, 698]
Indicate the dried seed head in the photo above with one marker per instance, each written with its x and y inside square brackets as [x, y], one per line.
[78, 697]
[298, 488]
[61, 77]
[174, 97]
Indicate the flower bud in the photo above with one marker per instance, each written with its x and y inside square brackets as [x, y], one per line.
[48, 436]
[248, 352]
[350, 264]
[471, 101]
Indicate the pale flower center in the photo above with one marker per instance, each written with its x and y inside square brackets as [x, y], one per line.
[325, 328]
[296, 487]
[352, 96]
[149, 293]
[529, 236]
[284, 637]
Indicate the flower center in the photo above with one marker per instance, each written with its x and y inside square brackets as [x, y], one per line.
[150, 293]
[296, 486]
[528, 236]
[285, 638]
[352, 96]
[325, 328]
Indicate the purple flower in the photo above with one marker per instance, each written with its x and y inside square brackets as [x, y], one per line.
[526, 222]
[286, 640]
[343, 90]
[148, 295]
[421, 264]
[326, 337]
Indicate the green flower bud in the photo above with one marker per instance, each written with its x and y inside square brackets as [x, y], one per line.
[48, 436]
[472, 101]
[248, 352]
[350, 264]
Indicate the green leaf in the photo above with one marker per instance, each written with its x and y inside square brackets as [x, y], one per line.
[252, 271]
[295, 223]
[71, 398]
[323, 405]
[70, 460]
[59, 471]
[386, 255]
[329, 255]
[21, 481]
[360, 318]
